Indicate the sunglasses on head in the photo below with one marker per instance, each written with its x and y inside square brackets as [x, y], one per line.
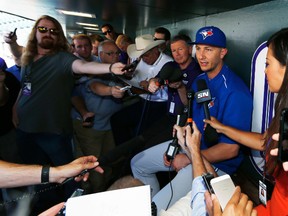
[108, 31]
[43, 30]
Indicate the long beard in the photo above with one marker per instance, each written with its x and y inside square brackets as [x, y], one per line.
[47, 43]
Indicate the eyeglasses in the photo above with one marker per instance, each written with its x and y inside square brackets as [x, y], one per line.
[112, 53]
[108, 31]
[43, 30]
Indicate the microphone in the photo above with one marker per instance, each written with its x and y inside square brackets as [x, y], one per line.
[203, 96]
[173, 147]
[190, 97]
[169, 73]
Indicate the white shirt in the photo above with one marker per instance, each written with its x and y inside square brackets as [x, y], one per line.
[144, 71]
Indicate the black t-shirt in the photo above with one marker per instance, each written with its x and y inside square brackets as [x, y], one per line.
[6, 111]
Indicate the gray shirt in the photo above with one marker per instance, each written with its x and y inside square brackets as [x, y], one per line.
[47, 108]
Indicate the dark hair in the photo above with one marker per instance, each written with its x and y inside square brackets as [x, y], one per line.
[182, 37]
[166, 32]
[96, 37]
[108, 25]
[278, 43]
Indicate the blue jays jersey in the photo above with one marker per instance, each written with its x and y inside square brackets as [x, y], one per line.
[231, 104]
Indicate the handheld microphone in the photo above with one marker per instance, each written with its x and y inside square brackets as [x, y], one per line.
[173, 147]
[169, 73]
[203, 96]
[190, 96]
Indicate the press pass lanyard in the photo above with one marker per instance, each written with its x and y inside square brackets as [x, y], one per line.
[265, 186]
[27, 85]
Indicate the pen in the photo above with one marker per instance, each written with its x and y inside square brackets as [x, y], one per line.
[83, 172]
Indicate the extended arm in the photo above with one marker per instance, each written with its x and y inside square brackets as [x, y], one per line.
[250, 139]
[221, 152]
[79, 104]
[15, 48]
[200, 166]
[15, 175]
[83, 67]
[193, 141]
[105, 90]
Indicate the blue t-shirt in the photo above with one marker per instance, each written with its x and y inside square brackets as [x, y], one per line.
[3, 64]
[102, 106]
[175, 105]
[16, 71]
[231, 104]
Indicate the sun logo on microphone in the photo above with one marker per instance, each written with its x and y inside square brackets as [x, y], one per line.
[206, 33]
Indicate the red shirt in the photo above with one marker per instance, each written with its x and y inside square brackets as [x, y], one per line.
[278, 205]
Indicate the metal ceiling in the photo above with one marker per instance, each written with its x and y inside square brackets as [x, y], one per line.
[125, 15]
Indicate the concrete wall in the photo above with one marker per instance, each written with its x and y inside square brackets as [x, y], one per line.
[245, 29]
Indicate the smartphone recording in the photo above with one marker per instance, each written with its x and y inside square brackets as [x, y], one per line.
[223, 188]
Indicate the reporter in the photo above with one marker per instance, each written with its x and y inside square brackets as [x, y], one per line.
[16, 175]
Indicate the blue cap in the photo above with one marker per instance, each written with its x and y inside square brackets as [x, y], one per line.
[211, 35]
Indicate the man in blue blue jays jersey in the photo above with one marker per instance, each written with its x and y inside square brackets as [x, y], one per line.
[231, 104]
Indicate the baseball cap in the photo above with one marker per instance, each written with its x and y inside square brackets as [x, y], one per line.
[211, 35]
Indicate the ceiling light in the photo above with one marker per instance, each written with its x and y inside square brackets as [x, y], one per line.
[74, 13]
[89, 28]
[87, 24]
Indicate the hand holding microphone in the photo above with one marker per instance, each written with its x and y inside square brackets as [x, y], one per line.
[203, 96]
[153, 85]
[173, 147]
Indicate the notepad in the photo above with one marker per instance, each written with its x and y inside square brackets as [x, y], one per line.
[123, 202]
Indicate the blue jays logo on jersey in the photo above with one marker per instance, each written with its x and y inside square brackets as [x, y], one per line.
[211, 103]
[206, 33]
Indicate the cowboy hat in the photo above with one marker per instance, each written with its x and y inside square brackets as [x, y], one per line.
[142, 44]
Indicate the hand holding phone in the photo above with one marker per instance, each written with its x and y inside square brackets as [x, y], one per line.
[12, 34]
[207, 177]
[89, 119]
[125, 88]
[223, 188]
[76, 193]
[131, 67]
[283, 136]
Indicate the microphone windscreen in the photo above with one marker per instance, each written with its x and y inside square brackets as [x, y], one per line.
[171, 72]
[201, 84]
